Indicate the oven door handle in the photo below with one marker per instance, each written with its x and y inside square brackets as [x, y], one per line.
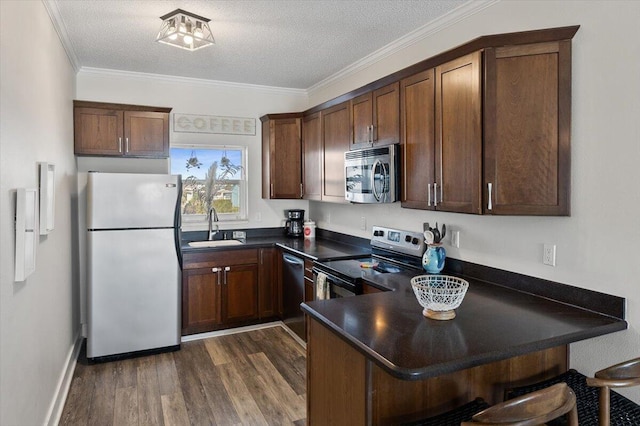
[337, 281]
[373, 180]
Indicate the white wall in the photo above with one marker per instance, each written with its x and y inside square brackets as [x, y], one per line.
[40, 316]
[597, 246]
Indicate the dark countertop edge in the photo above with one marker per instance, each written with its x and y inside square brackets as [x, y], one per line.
[456, 365]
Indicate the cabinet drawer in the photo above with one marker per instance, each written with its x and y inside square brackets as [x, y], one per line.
[210, 259]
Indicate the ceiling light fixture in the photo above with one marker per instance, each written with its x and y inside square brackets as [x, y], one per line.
[185, 30]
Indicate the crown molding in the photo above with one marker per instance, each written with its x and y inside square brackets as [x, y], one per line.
[54, 13]
[435, 26]
[188, 80]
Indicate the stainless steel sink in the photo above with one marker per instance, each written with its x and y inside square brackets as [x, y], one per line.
[217, 243]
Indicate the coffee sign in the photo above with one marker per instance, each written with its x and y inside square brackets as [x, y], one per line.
[192, 123]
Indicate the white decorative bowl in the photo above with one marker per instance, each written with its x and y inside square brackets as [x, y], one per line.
[439, 295]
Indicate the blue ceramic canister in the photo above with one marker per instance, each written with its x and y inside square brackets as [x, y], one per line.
[433, 258]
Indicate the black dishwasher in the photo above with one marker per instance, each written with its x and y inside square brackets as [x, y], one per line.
[293, 293]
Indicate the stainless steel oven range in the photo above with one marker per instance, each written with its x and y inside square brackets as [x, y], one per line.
[392, 251]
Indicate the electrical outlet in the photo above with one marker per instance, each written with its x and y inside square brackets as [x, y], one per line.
[363, 223]
[258, 217]
[549, 255]
[328, 217]
[455, 239]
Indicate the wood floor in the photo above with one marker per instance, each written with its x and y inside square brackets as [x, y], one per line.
[251, 378]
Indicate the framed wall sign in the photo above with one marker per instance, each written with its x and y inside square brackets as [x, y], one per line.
[26, 232]
[191, 123]
[47, 197]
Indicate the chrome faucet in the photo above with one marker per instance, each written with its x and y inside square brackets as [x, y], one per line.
[213, 217]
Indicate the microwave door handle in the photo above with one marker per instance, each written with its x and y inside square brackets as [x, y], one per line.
[385, 175]
[373, 180]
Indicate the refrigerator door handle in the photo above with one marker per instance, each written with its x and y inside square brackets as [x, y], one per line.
[177, 224]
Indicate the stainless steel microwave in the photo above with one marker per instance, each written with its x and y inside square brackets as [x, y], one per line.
[371, 175]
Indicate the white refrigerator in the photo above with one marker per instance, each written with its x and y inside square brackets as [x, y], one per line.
[133, 240]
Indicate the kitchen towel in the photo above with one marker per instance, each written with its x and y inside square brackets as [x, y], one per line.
[322, 287]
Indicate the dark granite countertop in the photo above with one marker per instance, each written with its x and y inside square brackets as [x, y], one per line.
[493, 323]
[326, 246]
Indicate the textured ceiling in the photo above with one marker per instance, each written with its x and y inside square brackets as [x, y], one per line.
[279, 43]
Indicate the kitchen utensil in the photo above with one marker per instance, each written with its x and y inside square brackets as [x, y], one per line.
[436, 234]
[444, 232]
[439, 295]
[428, 237]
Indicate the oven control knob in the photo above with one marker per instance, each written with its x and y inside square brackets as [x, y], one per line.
[415, 240]
[407, 238]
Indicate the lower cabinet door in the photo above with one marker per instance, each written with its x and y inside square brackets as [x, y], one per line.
[200, 300]
[239, 293]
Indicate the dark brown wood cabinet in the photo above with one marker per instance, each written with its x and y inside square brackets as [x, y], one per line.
[459, 135]
[120, 130]
[527, 110]
[268, 288]
[281, 156]
[239, 295]
[417, 100]
[200, 300]
[219, 289]
[336, 137]
[312, 156]
[375, 117]
[442, 137]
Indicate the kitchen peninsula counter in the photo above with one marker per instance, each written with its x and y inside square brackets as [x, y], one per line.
[500, 337]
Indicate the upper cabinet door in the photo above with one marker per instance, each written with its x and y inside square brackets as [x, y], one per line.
[527, 129]
[417, 98]
[281, 157]
[312, 156]
[98, 131]
[459, 135]
[336, 132]
[146, 133]
[361, 121]
[386, 115]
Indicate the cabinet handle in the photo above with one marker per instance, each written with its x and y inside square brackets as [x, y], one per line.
[429, 195]
[126, 144]
[215, 271]
[373, 133]
[120, 144]
[272, 190]
[435, 194]
[490, 188]
[226, 269]
[301, 191]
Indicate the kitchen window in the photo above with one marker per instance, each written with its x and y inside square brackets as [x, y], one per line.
[212, 176]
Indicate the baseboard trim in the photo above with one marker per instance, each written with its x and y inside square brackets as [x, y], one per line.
[64, 383]
[200, 336]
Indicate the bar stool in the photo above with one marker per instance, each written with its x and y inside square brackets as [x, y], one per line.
[620, 375]
[534, 408]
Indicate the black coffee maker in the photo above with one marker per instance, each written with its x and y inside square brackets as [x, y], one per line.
[294, 226]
